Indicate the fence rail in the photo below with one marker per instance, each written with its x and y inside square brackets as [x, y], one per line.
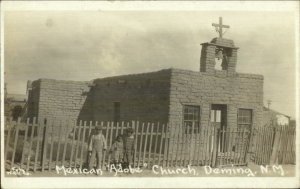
[41, 145]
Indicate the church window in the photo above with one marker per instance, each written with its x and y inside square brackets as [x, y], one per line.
[244, 118]
[117, 111]
[191, 116]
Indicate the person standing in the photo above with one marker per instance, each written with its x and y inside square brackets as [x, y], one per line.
[129, 146]
[117, 150]
[97, 146]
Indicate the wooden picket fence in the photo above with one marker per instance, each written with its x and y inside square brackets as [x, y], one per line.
[42, 145]
[233, 146]
[208, 146]
[275, 145]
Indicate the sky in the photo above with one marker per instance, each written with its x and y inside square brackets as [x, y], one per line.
[84, 45]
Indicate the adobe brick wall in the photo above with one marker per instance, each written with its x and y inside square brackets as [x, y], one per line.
[203, 89]
[154, 97]
[60, 100]
[143, 97]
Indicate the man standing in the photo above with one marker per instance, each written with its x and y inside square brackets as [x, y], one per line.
[96, 147]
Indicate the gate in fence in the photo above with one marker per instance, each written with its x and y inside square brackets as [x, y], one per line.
[44, 145]
[233, 146]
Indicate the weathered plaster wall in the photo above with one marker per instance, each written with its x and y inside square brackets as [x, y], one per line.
[143, 97]
[55, 99]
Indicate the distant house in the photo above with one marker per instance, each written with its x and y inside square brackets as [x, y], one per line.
[274, 118]
[15, 105]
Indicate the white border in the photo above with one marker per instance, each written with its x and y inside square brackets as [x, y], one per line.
[150, 182]
[152, 5]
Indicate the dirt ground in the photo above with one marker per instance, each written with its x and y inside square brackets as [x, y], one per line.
[251, 170]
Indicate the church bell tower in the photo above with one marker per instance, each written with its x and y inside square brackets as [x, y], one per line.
[219, 55]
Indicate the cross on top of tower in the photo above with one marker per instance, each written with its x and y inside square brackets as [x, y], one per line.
[219, 27]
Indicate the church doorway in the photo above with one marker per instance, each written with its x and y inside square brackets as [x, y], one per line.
[218, 116]
[218, 119]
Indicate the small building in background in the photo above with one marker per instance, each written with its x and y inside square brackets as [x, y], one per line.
[15, 105]
[274, 118]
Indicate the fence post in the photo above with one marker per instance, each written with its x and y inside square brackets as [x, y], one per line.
[150, 145]
[249, 144]
[66, 133]
[82, 143]
[161, 143]
[9, 129]
[215, 148]
[166, 146]
[61, 123]
[30, 144]
[141, 145]
[24, 143]
[73, 139]
[39, 125]
[77, 144]
[252, 143]
[18, 125]
[145, 144]
[176, 147]
[106, 138]
[110, 142]
[135, 128]
[275, 147]
[44, 144]
[156, 141]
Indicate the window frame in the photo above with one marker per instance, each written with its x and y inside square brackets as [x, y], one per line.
[248, 123]
[192, 117]
[117, 111]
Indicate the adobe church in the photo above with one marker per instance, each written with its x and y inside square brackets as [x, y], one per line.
[216, 94]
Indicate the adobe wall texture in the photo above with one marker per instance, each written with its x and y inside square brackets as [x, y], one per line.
[196, 88]
[155, 96]
[60, 100]
[203, 89]
[143, 97]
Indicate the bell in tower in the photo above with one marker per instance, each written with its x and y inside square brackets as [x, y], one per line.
[219, 59]
[220, 54]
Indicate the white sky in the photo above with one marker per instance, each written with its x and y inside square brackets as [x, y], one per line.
[93, 44]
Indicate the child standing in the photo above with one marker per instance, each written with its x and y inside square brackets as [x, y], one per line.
[129, 146]
[96, 147]
[117, 150]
